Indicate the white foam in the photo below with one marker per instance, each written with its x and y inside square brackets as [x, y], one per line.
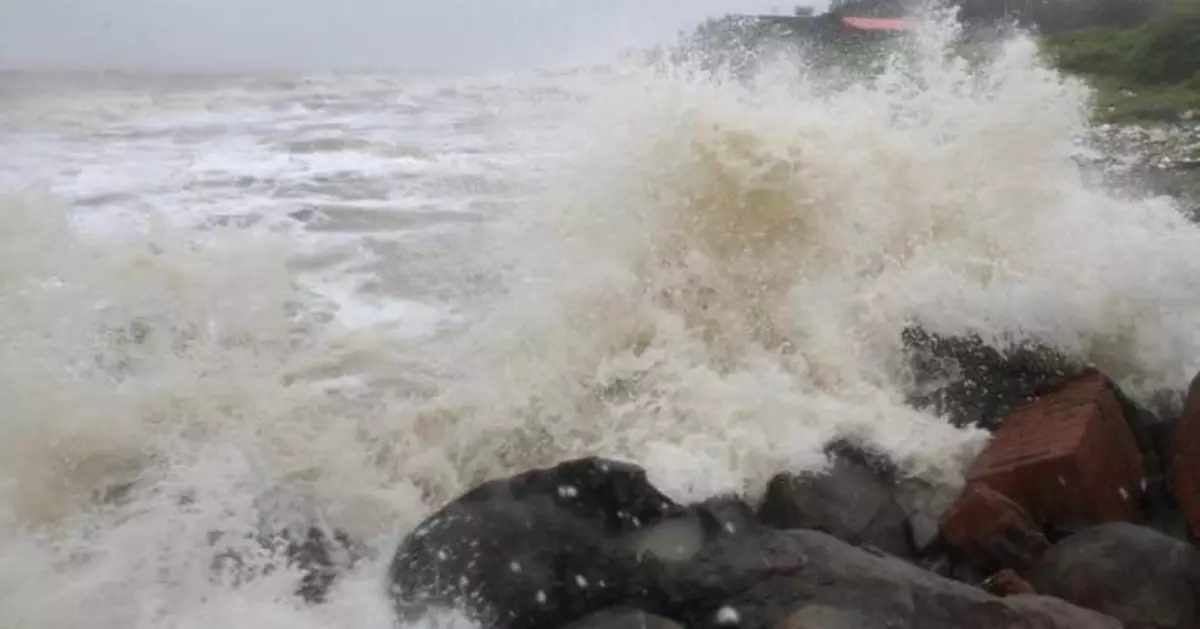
[719, 284]
[403, 317]
[712, 284]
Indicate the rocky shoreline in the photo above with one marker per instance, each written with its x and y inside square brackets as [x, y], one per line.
[1156, 159]
[1081, 513]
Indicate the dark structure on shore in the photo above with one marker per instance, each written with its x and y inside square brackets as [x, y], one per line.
[833, 26]
[876, 19]
[1044, 16]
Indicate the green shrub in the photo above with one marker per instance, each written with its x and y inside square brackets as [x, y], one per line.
[1096, 51]
[1165, 49]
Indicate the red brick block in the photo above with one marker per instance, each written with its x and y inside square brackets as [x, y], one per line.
[1067, 457]
[1184, 458]
[992, 531]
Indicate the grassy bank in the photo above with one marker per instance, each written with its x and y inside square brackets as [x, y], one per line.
[1147, 73]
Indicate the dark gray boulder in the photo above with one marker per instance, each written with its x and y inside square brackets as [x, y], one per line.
[1051, 613]
[826, 617]
[854, 500]
[764, 579]
[1152, 434]
[1135, 574]
[537, 550]
[592, 542]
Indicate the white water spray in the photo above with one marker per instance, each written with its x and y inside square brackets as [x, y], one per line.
[713, 285]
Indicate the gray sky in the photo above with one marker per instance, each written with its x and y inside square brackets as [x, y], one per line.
[257, 34]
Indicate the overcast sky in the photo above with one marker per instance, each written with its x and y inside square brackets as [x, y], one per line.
[231, 34]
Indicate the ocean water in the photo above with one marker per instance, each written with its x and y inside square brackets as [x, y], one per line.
[232, 303]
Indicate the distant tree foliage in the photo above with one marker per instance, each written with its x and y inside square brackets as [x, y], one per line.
[1140, 42]
[1164, 49]
[1046, 16]
[1167, 48]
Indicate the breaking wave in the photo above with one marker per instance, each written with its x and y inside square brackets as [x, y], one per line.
[713, 283]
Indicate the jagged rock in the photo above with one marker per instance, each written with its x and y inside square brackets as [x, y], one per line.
[1068, 457]
[1152, 434]
[992, 532]
[761, 580]
[1184, 457]
[540, 549]
[972, 383]
[1135, 574]
[724, 516]
[853, 501]
[591, 537]
[924, 503]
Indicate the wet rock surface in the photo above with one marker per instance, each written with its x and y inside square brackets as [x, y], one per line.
[993, 532]
[516, 553]
[1142, 577]
[1090, 469]
[828, 617]
[1063, 523]
[1068, 457]
[624, 618]
[1050, 613]
[1182, 452]
[1075, 515]
[972, 383]
[767, 578]
[854, 500]
[541, 549]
